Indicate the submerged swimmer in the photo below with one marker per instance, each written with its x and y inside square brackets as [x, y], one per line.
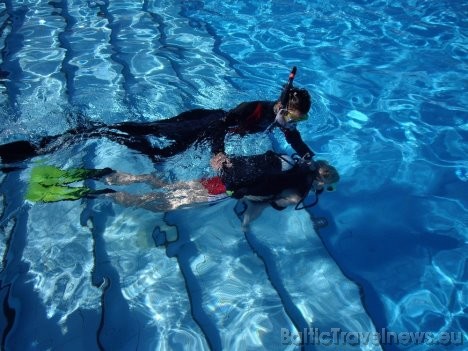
[187, 129]
[259, 181]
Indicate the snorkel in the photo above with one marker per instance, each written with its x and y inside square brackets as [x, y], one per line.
[284, 97]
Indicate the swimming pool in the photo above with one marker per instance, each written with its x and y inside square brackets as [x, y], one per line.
[390, 110]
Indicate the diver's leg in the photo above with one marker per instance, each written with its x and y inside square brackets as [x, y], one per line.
[121, 178]
[22, 150]
[38, 192]
[77, 174]
[136, 129]
[138, 143]
[183, 130]
[171, 197]
[178, 146]
[17, 151]
[253, 210]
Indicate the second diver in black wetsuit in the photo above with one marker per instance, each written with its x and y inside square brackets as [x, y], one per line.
[266, 177]
[184, 130]
[261, 178]
[257, 181]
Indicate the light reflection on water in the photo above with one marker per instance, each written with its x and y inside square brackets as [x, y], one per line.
[389, 111]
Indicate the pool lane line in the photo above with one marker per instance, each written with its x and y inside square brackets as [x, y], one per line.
[67, 68]
[274, 277]
[10, 68]
[183, 250]
[117, 56]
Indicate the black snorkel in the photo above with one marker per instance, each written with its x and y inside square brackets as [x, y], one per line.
[284, 97]
[301, 206]
[313, 171]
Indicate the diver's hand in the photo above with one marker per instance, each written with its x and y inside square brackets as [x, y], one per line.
[281, 120]
[220, 161]
[280, 117]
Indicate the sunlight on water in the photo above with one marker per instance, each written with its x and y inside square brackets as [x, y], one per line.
[388, 110]
[60, 271]
[151, 282]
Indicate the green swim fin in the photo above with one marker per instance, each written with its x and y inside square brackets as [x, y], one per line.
[49, 183]
[50, 175]
[38, 192]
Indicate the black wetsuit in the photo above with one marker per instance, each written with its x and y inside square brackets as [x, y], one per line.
[254, 117]
[180, 132]
[262, 175]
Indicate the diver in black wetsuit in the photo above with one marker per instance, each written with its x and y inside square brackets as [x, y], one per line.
[184, 130]
[275, 180]
[257, 181]
[262, 178]
[266, 177]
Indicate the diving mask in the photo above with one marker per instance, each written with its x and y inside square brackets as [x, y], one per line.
[294, 118]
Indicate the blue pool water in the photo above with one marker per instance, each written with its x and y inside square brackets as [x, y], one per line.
[388, 81]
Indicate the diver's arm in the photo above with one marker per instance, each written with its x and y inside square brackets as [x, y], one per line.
[217, 137]
[285, 198]
[220, 161]
[293, 137]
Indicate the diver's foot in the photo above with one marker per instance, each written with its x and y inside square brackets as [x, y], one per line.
[100, 173]
[95, 193]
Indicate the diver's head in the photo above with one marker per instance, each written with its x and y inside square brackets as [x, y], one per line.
[299, 100]
[326, 176]
[297, 108]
